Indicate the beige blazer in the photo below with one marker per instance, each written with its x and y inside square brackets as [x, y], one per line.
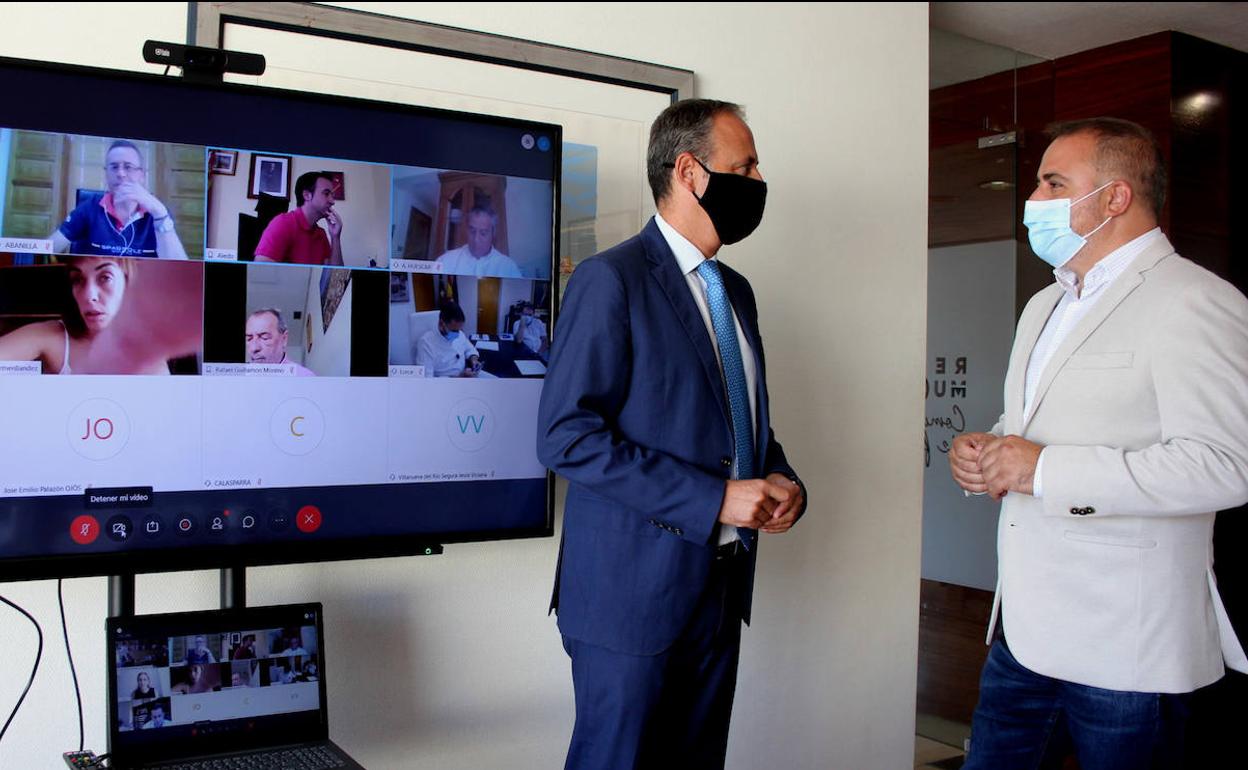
[1107, 579]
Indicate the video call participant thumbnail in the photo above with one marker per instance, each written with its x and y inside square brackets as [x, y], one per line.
[246, 648]
[447, 351]
[113, 322]
[245, 303]
[267, 336]
[198, 652]
[126, 221]
[144, 688]
[245, 673]
[294, 237]
[478, 256]
[195, 678]
[153, 715]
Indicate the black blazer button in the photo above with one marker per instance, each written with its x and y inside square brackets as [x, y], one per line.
[1076, 512]
[1090, 510]
[726, 462]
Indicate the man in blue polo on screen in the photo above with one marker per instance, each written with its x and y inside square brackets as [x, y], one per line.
[478, 256]
[295, 237]
[126, 221]
[447, 352]
[198, 652]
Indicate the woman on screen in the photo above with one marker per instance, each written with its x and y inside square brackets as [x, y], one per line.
[143, 689]
[98, 335]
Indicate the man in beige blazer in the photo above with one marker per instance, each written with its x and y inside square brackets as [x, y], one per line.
[1125, 429]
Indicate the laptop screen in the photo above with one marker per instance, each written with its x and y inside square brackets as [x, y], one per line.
[197, 683]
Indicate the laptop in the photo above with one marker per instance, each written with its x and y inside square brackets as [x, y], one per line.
[240, 688]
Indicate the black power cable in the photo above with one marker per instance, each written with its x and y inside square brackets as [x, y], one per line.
[60, 601]
[34, 670]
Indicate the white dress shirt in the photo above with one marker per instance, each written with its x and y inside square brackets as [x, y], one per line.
[497, 264]
[443, 358]
[688, 257]
[531, 334]
[1075, 304]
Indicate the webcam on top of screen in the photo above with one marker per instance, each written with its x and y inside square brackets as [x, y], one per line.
[199, 63]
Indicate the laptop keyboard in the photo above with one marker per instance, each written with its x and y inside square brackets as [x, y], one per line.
[308, 758]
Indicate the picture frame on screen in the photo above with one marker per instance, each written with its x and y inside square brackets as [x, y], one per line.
[270, 175]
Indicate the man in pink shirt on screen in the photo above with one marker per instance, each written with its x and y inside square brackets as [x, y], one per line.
[294, 237]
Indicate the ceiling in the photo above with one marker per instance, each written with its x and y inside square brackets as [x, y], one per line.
[971, 40]
[1052, 30]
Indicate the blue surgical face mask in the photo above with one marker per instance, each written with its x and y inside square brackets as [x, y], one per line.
[1049, 231]
[450, 335]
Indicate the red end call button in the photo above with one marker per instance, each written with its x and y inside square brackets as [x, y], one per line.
[308, 519]
[84, 529]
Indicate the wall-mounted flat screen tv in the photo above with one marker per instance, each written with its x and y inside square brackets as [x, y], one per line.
[242, 325]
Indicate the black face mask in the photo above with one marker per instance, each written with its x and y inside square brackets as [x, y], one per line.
[734, 203]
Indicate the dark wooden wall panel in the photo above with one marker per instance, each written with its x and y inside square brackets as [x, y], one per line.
[1203, 155]
[953, 621]
[1129, 80]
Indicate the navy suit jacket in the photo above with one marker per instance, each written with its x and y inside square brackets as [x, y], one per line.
[635, 415]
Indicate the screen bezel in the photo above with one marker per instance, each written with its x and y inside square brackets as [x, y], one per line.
[228, 555]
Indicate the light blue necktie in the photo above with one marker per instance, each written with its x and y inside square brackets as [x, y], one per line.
[734, 377]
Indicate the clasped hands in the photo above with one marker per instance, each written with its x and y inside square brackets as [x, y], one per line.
[983, 462]
[769, 505]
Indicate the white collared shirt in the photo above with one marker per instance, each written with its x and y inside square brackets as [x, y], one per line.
[688, 257]
[1077, 301]
[497, 264]
[442, 357]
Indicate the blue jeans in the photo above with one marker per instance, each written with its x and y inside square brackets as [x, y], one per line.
[1025, 721]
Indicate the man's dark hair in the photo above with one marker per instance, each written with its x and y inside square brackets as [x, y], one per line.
[525, 305]
[1126, 150]
[450, 312]
[307, 183]
[683, 127]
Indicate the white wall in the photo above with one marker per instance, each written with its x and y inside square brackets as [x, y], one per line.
[330, 355]
[528, 225]
[400, 334]
[476, 679]
[417, 188]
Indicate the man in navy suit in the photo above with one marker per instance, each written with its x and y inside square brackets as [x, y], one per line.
[655, 410]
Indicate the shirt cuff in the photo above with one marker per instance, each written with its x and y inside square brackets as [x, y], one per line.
[1037, 487]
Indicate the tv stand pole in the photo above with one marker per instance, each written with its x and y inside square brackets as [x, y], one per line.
[233, 588]
[121, 592]
[121, 596]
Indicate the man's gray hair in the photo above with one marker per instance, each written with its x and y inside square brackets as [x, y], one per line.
[127, 144]
[281, 322]
[683, 127]
[487, 210]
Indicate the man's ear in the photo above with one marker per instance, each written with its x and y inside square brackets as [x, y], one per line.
[686, 170]
[1120, 199]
